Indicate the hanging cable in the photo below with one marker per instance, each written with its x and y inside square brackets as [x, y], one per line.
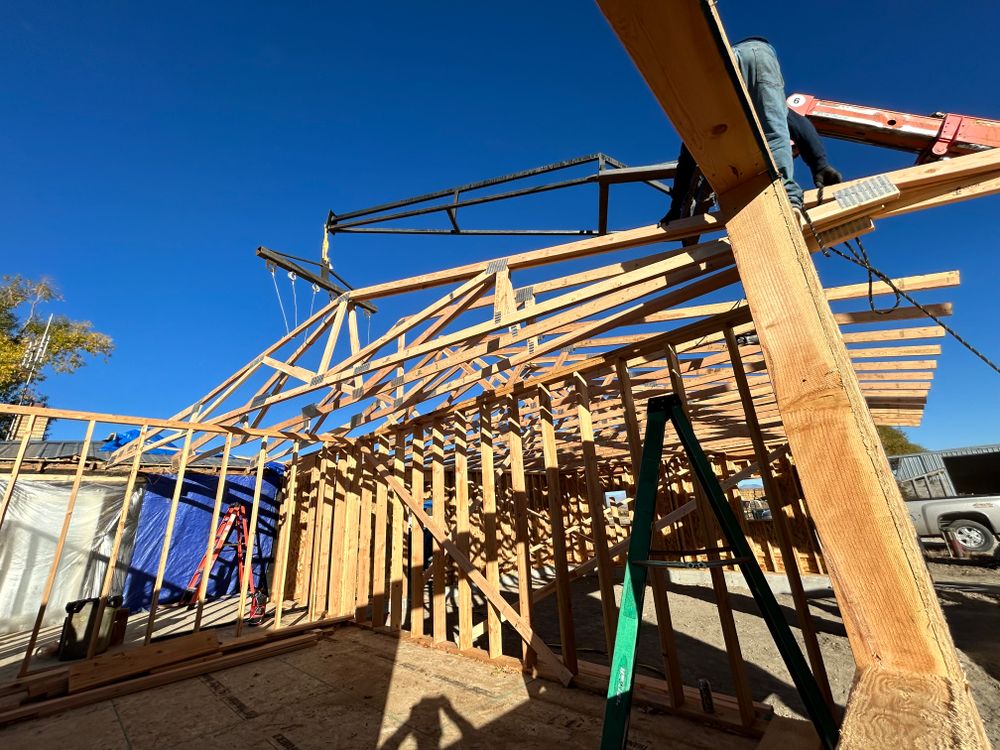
[295, 300]
[277, 292]
[312, 300]
[859, 257]
[368, 335]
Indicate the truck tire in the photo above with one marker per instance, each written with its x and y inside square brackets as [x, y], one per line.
[973, 536]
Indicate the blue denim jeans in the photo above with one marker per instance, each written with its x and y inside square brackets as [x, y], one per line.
[761, 73]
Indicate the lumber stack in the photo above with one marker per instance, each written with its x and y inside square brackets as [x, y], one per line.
[131, 670]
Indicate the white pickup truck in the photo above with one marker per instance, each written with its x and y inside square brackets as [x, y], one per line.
[974, 520]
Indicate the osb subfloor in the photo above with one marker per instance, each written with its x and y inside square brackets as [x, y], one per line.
[220, 614]
[357, 689]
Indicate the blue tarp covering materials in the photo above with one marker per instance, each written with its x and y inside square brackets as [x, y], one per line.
[194, 515]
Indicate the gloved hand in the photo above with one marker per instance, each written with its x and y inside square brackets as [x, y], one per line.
[672, 215]
[827, 176]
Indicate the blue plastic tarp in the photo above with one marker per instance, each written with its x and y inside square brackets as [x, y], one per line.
[190, 535]
[117, 440]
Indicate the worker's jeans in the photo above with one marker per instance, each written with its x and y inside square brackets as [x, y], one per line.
[761, 73]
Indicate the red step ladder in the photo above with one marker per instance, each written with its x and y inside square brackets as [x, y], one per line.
[235, 517]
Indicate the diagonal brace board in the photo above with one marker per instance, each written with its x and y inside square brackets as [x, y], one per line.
[451, 547]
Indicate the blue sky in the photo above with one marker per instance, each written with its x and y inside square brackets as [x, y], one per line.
[148, 150]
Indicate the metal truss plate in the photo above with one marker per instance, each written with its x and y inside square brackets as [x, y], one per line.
[497, 265]
[865, 191]
[524, 294]
[843, 232]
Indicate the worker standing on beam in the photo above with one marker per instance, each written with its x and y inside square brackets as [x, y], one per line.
[761, 73]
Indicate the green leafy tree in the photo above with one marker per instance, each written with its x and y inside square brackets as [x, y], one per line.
[22, 327]
[895, 442]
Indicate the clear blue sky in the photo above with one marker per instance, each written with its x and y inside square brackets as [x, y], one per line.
[147, 150]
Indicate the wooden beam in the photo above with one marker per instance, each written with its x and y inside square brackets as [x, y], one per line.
[494, 641]
[595, 503]
[515, 449]
[567, 636]
[889, 606]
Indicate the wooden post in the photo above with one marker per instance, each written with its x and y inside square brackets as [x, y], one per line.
[664, 622]
[495, 643]
[729, 634]
[892, 615]
[352, 507]
[378, 565]
[515, 448]
[595, 501]
[417, 587]
[109, 572]
[317, 589]
[438, 605]
[567, 635]
[337, 558]
[8, 491]
[461, 431]
[60, 543]
[251, 536]
[396, 551]
[213, 526]
[168, 535]
[779, 520]
[363, 588]
[291, 506]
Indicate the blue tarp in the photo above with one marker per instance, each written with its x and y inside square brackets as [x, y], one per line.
[117, 440]
[194, 515]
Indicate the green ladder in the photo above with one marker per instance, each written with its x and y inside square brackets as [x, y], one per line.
[619, 702]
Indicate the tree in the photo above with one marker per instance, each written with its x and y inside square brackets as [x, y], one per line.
[895, 442]
[22, 328]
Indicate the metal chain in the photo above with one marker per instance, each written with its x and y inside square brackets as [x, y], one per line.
[859, 257]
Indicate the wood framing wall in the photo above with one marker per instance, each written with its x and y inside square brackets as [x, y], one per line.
[677, 490]
[450, 474]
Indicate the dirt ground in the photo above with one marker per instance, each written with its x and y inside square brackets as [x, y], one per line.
[969, 595]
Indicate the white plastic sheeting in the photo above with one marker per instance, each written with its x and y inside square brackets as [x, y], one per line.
[28, 540]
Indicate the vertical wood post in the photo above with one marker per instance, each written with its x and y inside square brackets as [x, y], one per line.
[779, 520]
[567, 635]
[515, 448]
[439, 614]
[168, 534]
[461, 432]
[290, 516]
[417, 588]
[595, 501]
[251, 536]
[494, 642]
[60, 543]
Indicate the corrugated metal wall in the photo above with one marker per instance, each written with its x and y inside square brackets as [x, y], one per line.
[925, 475]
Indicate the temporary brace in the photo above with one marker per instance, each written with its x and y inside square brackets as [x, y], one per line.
[619, 702]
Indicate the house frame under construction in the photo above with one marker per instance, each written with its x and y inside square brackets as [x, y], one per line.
[437, 471]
